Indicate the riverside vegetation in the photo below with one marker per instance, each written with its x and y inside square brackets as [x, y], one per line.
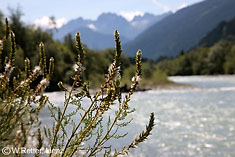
[22, 99]
[214, 55]
[64, 54]
[203, 60]
[211, 56]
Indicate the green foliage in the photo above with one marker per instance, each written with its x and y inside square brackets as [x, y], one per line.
[217, 59]
[152, 77]
[22, 99]
[143, 136]
[214, 55]
[229, 65]
[20, 103]
[93, 126]
[65, 55]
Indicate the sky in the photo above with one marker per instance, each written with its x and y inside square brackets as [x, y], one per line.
[38, 11]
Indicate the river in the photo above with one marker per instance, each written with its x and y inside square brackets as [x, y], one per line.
[189, 122]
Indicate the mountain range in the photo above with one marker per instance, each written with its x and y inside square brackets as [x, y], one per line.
[181, 30]
[98, 34]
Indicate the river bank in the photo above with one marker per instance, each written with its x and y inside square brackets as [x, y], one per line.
[146, 86]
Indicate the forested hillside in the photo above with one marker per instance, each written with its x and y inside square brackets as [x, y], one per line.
[224, 31]
[214, 55]
[181, 30]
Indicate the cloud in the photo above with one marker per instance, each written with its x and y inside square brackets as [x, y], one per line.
[182, 6]
[129, 15]
[164, 7]
[60, 22]
[46, 22]
[91, 26]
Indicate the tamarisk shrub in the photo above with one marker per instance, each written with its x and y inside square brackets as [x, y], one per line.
[98, 122]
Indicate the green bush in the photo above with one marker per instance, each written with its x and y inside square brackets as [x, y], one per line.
[22, 99]
[20, 103]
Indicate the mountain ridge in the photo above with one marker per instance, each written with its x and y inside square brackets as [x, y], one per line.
[181, 30]
[104, 26]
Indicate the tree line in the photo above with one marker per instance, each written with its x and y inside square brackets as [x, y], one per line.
[65, 54]
[203, 60]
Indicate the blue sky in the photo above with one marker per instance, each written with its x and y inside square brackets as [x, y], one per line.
[64, 10]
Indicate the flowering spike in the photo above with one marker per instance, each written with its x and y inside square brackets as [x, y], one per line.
[42, 86]
[33, 76]
[8, 69]
[15, 82]
[141, 138]
[7, 28]
[40, 140]
[13, 48]
[114, 68]
[27, 67]
[118, 48]
[42, 62]
[51, 67]
[138, 63]
[1, 49]
[81, 53]
[135, 80]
